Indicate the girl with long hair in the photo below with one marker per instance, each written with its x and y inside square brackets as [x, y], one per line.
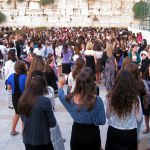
[98, 65]
[89, 56]
[123, 111]
[79, 64]
[110, 68]
[50, 75]
[37, 115]
[66, 60]
[87, 111]
[16, 83]
[37, 64]
[146, 112]
[10, 69]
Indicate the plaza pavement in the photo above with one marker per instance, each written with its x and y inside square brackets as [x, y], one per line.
[8, 142]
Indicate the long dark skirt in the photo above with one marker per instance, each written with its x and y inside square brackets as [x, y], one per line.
[98, 66]
[39, 147]
[121, 139]
[85, 137]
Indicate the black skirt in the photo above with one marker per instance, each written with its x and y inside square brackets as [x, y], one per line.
[98, 66]
[90, 62]
[66, 68]
[121, 139]
[39, 147]
[85, 137]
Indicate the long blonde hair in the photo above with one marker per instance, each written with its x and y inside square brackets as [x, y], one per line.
[89, 46]
[109, 50]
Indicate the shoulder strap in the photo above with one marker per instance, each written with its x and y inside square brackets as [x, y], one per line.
[16, 83]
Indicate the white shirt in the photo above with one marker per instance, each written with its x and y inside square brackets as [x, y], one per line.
[3, 49]
[89, 52]
[9, 68]
[58, 51]
[71, 81]
[49, 50]
[98, 54]
[40, 52]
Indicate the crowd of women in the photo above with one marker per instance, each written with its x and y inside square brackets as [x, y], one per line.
[37, 65]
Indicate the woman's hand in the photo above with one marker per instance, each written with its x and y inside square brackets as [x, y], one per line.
[61, 82]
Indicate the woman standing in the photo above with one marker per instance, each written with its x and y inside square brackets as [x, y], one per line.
[58, 50]
[87, 111]
[134, 55]
[110, 68]
[50, 75]
[123, 111]
[79, 64]
[98, 65]
[146, 111]
[16, 83]
[89, 56]
[9, 69]
[37, 115]
[66, 62]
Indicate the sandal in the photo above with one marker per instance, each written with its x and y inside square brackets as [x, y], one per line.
[13, 133]
[146, 131]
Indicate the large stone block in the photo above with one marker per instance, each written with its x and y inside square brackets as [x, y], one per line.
[22, 12]
[48, 11]
[34, 12]
[34, 5]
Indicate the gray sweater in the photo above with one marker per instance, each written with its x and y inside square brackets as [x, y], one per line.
[36, 126]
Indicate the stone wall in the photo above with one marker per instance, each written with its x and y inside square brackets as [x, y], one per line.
[69, 13]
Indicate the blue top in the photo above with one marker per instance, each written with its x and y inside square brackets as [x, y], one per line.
[96, 116]
[22, 82]
[36, 126]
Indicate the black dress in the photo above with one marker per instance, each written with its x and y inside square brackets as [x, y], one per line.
[90, 62]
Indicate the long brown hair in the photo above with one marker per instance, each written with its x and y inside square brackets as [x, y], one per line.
[20, 67]
[124, 94]
[37, 64]
[47, 63]
[80, 63]
[36, 87]
[126, 61]
[86, 88]
[146, 75]
[12, 55]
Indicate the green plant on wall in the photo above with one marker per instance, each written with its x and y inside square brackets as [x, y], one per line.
[2, 17]
[14, 2]
[9, 1]
[46, 2]
[140, 10]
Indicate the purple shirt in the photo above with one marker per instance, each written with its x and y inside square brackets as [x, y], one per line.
[67, 56]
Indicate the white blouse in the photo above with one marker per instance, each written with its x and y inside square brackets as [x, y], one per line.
[9, 68]
[98, 54]
[128, 123]
[71, 82]
[89, 52]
